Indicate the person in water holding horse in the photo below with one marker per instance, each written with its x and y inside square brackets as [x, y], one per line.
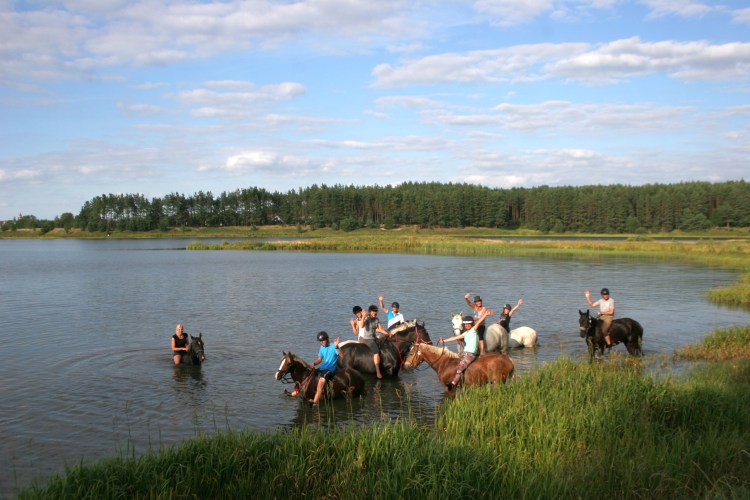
[471, 349]
[478, 312]
[606, 312]
[504, 320]
[394, 316]
[366, 327]
[328, 358]
[180, 344]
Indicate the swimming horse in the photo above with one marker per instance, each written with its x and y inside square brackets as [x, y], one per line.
[393, 349]
[496, 337]
[346, 382]
[195, 354]
[488, 368]
[625, 330]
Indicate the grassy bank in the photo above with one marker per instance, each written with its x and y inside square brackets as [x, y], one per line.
[602, 430]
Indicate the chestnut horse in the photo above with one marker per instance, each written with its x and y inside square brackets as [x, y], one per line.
[346, 382]
[488, 368]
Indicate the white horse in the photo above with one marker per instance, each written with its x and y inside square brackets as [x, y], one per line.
[496, 337]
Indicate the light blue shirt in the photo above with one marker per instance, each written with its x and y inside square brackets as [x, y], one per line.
[472, 341]
[330, 356]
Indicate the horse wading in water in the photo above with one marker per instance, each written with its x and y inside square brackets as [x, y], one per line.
[346, 382]
[488, 368]
[195, 354]
[625, 330]
[496, 338]
[393, 350]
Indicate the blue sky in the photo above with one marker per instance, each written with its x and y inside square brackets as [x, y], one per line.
[156, 97]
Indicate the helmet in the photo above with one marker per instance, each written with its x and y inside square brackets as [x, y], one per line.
[477, 298]
[468, 320]
[507, 306]
[395, 304]
[605, 291]
[322, 336]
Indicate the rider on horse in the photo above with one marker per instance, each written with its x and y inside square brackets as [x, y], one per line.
[606, 312]
[471, 350]
[328, 357]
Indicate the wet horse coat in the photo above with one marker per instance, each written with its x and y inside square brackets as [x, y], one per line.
[625, 330]
[488, 368]
[496, 338]
[345, 383]
[195, 354]
[393, 350]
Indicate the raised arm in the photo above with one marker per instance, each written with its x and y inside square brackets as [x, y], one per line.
[471, 304]
[520, 301]
[382, 306]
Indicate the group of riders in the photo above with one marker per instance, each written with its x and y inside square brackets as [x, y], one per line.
[366, 326]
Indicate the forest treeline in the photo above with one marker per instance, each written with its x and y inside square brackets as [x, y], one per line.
[690, 206]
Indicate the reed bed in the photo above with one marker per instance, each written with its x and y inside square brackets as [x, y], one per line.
[722, 344]
[600, 430]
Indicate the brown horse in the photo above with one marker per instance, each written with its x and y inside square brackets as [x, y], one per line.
[346, 382]
[488, 368]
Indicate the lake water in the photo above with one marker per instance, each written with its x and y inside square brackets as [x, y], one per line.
[85, 328]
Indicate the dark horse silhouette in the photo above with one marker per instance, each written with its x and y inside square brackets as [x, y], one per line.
[346, 382]
[625, 330]
[195, 354]
[393, 350]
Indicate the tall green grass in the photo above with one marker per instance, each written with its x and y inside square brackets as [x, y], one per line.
[601, 430]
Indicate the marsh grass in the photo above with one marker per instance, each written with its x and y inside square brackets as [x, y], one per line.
[722, 344]
[599, 430]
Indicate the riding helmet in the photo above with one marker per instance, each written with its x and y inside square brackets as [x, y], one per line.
[507, 306]
[322, 336]
[395, 304]
[468, 320]
[605, 291]
[477, 298]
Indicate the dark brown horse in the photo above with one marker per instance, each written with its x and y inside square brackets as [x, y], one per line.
[346, 382]
[488, 368]
[625, 330]
[195, 354]
[393, 350]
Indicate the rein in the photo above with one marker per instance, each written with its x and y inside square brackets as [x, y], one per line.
[418, 340]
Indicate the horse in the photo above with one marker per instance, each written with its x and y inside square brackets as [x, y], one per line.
[625, 330]
[496, 337]
[346, 382]
[488, 368]
[393, 349]
[195, 354]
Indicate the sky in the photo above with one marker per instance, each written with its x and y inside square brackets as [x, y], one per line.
[158, 97]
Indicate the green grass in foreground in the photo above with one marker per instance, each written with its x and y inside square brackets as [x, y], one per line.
[601, 430]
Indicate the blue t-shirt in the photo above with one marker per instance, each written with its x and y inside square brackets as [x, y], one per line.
[330, 356]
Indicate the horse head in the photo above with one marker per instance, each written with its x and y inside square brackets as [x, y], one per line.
[287, 365]
[586, 323]
[197, 348]
[414, 359]
[457, 322]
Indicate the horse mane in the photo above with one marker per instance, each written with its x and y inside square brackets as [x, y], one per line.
[297, 359]
[406, 325]
[444, 351]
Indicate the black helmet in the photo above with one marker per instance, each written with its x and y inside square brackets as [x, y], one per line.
[468, 320]
[477, 298]
[605, 291]
[395, 304]
[322, 336]
[507, 306]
